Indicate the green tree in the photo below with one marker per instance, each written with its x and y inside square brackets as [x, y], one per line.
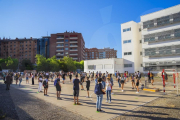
[42, 64]
[26, 65]
[69, 63]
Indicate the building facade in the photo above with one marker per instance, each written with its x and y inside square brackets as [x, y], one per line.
[43, 46]
[19, 48]
[94, 53]
[67, 44]
[154, 42]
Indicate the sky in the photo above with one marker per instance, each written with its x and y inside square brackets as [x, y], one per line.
[98, 20]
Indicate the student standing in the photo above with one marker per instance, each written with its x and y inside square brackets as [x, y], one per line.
[149, 77]
[32, 79]
[137, 84]
[99, 93]
[152, 78]
[82, 80]
[96, 80]
[108, 90]
[111, 80]
[8, 81]
[58, 87]
[45, 84]
[104, 81]
[139, 76]
[40, 83]
[17, 78]
[20, 80]
[119, 80]
[122, 82]
[27, 78]
[76, 83]
[133, 82]
[63, 77]
[87, 86]
[127, 76]
[70, 76]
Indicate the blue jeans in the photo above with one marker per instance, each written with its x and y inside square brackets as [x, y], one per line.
[103, 84]
[108, 92]
[20, 82]
[119, 81]
[99, 101]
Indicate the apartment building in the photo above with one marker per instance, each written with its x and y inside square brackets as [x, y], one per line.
[94, 53]
[153, 43]
[19, 48]
[67, 44]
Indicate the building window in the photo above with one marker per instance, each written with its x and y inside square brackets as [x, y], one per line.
[126, 41]
[126, 29]
[141, 65]
[60, 49]
[140, 53]
[127, 65]
[66, 53]
[66, 48]
[140, 41]
[139, 29]
[66, 40]
[127, 53]
[66, 44]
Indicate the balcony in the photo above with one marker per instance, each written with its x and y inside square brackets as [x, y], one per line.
[73, 50]
[60, 38]
[73, 46]
[59, 50]
[75, 58]
[59, 46]
[73, 38]
[60, 42]
[59, 54]
[162, 63]
[73, 54]
[73, 42]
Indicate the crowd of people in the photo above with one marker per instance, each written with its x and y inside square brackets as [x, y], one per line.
[103, 82]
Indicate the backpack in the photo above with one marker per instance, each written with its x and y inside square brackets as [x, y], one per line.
[44, 83]
[55, 82]
[97, 89]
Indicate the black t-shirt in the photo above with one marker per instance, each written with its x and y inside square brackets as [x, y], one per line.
[82, 78]
[58, 80]
[88, 83]
[76, 84]
[63, 76]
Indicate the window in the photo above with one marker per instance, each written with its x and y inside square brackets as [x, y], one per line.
[125, 53]
[66, 40]
[141, 65]
[139, 29]
[66, 48]
[140, 41]
[126, 29]
[127, 65]
[126, 41]
[60, 49]
[66, 53]
[140, 53]
[66, 44]
[129, 53]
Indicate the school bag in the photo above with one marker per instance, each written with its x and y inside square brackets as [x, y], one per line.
[98, 89]
[142, 86]
[55, 82]
[44, 83]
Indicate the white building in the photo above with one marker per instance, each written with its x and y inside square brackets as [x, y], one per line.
[160, 35]
[110, 65]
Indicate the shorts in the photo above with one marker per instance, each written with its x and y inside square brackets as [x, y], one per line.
[122, 81]
[151, 78]
[46, 86]
[81, 83]
[27, 78]
[58, 88]
[137, 84]
[133, 81]
[87, 88]
[76, 93]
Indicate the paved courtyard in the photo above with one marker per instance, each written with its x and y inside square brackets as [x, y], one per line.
[121, 101]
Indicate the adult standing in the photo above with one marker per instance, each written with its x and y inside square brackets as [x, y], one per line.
[70, 76]
[27, 78]
[8, 81]
[112, 83]
[32, 79]
[104, 80]
[119, 80]
[63, 77]
[76, 83]
[139, 76]
[99, 91]
[20, 79]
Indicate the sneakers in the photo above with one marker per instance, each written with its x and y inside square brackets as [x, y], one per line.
[106, 101]
[112, 93]
[137, 92]
[78, 103]
[122, 90]
[59, 98]
[87, 97]
[109, 101]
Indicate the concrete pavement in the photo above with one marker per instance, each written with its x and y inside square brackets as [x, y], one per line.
[121, 101]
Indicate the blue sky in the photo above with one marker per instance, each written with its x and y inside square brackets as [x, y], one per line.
[98, 20]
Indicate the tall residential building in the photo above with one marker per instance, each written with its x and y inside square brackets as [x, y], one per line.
[19, 48]
[67, 44]
[153, 43]
[94, 53]
[43, 46]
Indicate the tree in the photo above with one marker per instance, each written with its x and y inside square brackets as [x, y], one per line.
[26, 65]
[69, 63]
[42, 64]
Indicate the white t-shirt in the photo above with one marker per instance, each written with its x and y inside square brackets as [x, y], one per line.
[40, 79]
[47, 73]
[108, 86]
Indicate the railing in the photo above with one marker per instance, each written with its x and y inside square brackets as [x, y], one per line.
[73, 38]
[59, 54]
[73, 41]
[73, 46]
[74, 50]
[59, 50]
[60, 38]
[59, 46]
[60, 42]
